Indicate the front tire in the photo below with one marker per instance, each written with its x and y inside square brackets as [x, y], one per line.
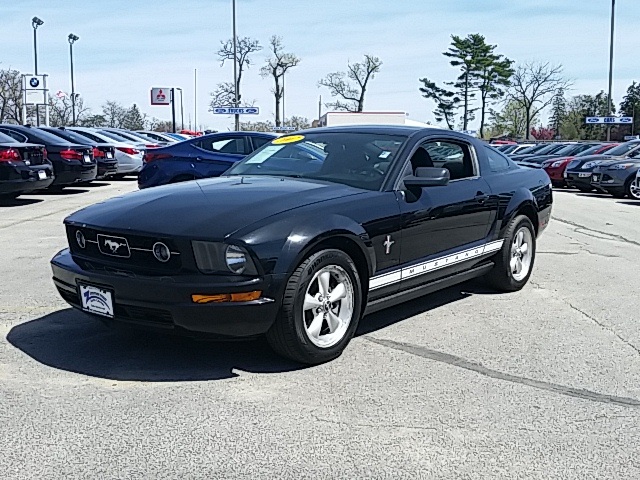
[633, 189]
[320, 309]
[514, 263]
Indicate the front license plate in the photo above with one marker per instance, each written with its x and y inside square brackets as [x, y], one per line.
[87, 158]
[109, 155]
[584, 175]
[595, 178]
[565, 174]
[96, 300]
[42, 174]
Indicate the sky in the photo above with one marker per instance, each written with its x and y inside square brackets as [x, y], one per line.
[127, 47]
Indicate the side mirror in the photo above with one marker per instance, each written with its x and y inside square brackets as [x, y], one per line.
[428, 177]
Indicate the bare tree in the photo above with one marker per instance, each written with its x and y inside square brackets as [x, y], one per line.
[60, 111]
[351, 95]
[533, 87]
[114, 114]
[10, 96]
[224, 94]
[276, 66]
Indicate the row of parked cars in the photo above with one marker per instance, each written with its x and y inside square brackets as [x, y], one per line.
[37, 158]
[612, 168]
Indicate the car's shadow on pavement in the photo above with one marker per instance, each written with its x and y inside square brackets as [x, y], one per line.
[71, 341]
[636, 203]
[94, 184]
[18, 202]
[62, 191]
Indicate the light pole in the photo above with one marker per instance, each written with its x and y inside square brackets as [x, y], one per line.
[609, 112]
[181, 108]
[235, 68]
[35, 23]
[72, 39]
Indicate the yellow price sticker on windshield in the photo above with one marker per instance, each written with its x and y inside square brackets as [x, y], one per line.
[288, 139]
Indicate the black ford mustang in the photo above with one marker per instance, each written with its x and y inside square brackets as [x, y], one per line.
[304, 236]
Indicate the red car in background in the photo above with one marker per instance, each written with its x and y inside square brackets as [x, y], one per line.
[555, 167]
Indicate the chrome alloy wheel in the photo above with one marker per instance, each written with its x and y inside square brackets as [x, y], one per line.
[634, 189]
[521, 254]
[328, 306]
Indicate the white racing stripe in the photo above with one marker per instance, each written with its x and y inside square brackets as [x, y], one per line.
[432, 265]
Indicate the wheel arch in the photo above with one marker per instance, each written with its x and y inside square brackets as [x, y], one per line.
[522, 203]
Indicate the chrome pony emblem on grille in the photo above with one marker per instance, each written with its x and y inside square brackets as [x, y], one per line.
[113, 246]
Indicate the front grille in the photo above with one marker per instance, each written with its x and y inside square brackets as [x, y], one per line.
[139, 257]
[128, 313]
[143, 315]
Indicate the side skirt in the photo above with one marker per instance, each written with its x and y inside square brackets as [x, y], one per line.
[419, 291]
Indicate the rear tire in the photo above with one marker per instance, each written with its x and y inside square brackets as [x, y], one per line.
[310, 327]
[514, 262]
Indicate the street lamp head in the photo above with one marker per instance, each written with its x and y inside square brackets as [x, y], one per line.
[36, 22]
[73, 38]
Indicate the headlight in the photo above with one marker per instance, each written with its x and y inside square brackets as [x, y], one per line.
[557, 164]
[621, 166]
[218, 257]
[589, 165]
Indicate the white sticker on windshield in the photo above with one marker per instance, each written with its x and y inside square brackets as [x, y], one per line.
[265, 153]
[384, 154]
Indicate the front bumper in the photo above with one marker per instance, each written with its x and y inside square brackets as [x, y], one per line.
[164, 302]
[579, 179]
[607, 180]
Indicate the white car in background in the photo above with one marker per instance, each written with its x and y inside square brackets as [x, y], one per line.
[129, 154]
[157, 136]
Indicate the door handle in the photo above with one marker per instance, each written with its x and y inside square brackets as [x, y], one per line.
[481, 197]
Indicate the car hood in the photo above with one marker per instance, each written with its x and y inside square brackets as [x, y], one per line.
[211, 208]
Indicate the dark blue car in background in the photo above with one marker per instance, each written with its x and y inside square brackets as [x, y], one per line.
[200, 157]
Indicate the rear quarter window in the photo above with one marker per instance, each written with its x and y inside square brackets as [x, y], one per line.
[497, 161]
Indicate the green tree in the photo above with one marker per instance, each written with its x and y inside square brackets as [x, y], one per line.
[133, 119]
[558, 111]
[510, 121]
[580, 107]
[466, 53]
[447, 102]
[492, 78]
[350, 87]
[631, 104]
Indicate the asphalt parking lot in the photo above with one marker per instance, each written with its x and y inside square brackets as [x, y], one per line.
[543, 383]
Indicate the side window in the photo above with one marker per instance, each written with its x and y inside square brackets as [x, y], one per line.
[17, 136]
[455, 157]
[497, 161]
[258, 142]
[234, 146]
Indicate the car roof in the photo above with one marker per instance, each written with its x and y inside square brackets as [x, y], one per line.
[388, 129]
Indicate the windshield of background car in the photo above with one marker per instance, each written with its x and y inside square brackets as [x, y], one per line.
[118, 138]
[360, 160]
[623, 150]
[71, 136]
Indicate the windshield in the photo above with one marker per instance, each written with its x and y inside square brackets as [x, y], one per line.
[532, 149]
[624, 149]
[118, 137]
[357, 159]
[71, 136]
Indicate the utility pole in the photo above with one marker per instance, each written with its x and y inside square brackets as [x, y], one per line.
[173, 108]
[72, 39]
[235, 67]
[195, 99]
[609, 106]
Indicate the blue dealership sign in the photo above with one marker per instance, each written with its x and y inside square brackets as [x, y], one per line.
[236, 111]
[609, 120]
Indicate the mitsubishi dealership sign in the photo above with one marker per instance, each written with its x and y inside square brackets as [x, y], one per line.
[161, 96]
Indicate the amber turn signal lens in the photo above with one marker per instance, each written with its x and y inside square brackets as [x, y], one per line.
[227, 297]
